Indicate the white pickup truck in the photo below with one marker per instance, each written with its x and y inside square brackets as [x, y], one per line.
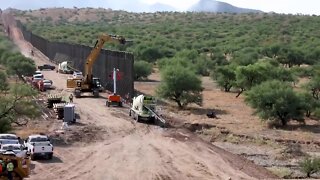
[8, 139]
[11, 149]
[39, 146]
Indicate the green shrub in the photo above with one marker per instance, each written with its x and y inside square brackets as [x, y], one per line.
[310, 166]
[276, 100]
[142, 70]
[180, 85]
[316, 113]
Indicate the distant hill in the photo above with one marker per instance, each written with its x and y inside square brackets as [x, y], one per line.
[126, 5]
[217, 6]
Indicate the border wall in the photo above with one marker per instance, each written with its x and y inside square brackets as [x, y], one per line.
[77, 54]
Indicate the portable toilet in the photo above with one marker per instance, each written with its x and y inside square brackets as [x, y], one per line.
[69, 113]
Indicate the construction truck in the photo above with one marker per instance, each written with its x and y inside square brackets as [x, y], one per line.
[114, 99]
[90, 83]
[64, 68]
[143, 108]
[21, 166]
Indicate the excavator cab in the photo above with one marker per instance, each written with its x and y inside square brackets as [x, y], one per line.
[96, 83]
[82, 87]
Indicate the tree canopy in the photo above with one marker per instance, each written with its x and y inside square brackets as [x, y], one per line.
[244, 38]
[180, 85]
[16, 104]
[277, 101]
[142, 70]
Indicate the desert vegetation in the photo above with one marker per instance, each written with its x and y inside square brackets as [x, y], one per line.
[16, 104]
[239, 52]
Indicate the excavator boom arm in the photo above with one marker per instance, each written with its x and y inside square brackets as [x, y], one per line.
[96, 51]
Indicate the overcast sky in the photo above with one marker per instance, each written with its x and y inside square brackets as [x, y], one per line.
[279, 6]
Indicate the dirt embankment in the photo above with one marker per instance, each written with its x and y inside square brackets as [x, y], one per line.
[106, 144]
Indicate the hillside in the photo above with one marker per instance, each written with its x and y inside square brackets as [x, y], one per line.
[162, 35]
[217, 6]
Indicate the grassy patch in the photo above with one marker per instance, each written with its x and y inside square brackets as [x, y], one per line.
[281, 172]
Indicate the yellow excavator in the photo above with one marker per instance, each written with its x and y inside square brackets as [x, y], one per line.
[21, 166]
[89, 83]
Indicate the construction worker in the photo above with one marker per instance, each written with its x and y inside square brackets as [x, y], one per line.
[10, 168]
[71, 98]
[127, 98]
[1, 169]
[3, 165]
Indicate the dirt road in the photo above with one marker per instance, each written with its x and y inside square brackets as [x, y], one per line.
[128, 150]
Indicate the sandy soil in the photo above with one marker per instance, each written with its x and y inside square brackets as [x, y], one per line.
[122, 149]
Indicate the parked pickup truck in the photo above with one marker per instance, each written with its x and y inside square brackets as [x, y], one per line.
[46, 66]
[39, 146]
[8, 139]
[15, 148]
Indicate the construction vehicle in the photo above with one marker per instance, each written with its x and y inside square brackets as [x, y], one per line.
[46, 66]
[90, 83]
[39, 146]
[114, 99]
[64, 68]
[144, 109]
[21, 166]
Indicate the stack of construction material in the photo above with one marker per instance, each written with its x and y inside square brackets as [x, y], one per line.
[53, 98]
[59, 109]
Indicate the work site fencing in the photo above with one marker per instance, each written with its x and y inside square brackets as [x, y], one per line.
[77, 54]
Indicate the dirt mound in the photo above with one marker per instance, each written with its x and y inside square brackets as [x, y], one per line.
[84, 134]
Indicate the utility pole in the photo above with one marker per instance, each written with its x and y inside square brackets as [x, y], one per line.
[115, 80]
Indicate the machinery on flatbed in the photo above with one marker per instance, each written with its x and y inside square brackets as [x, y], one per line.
[64, 68]
[89, 83]
[144, 109]
[21, 166]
